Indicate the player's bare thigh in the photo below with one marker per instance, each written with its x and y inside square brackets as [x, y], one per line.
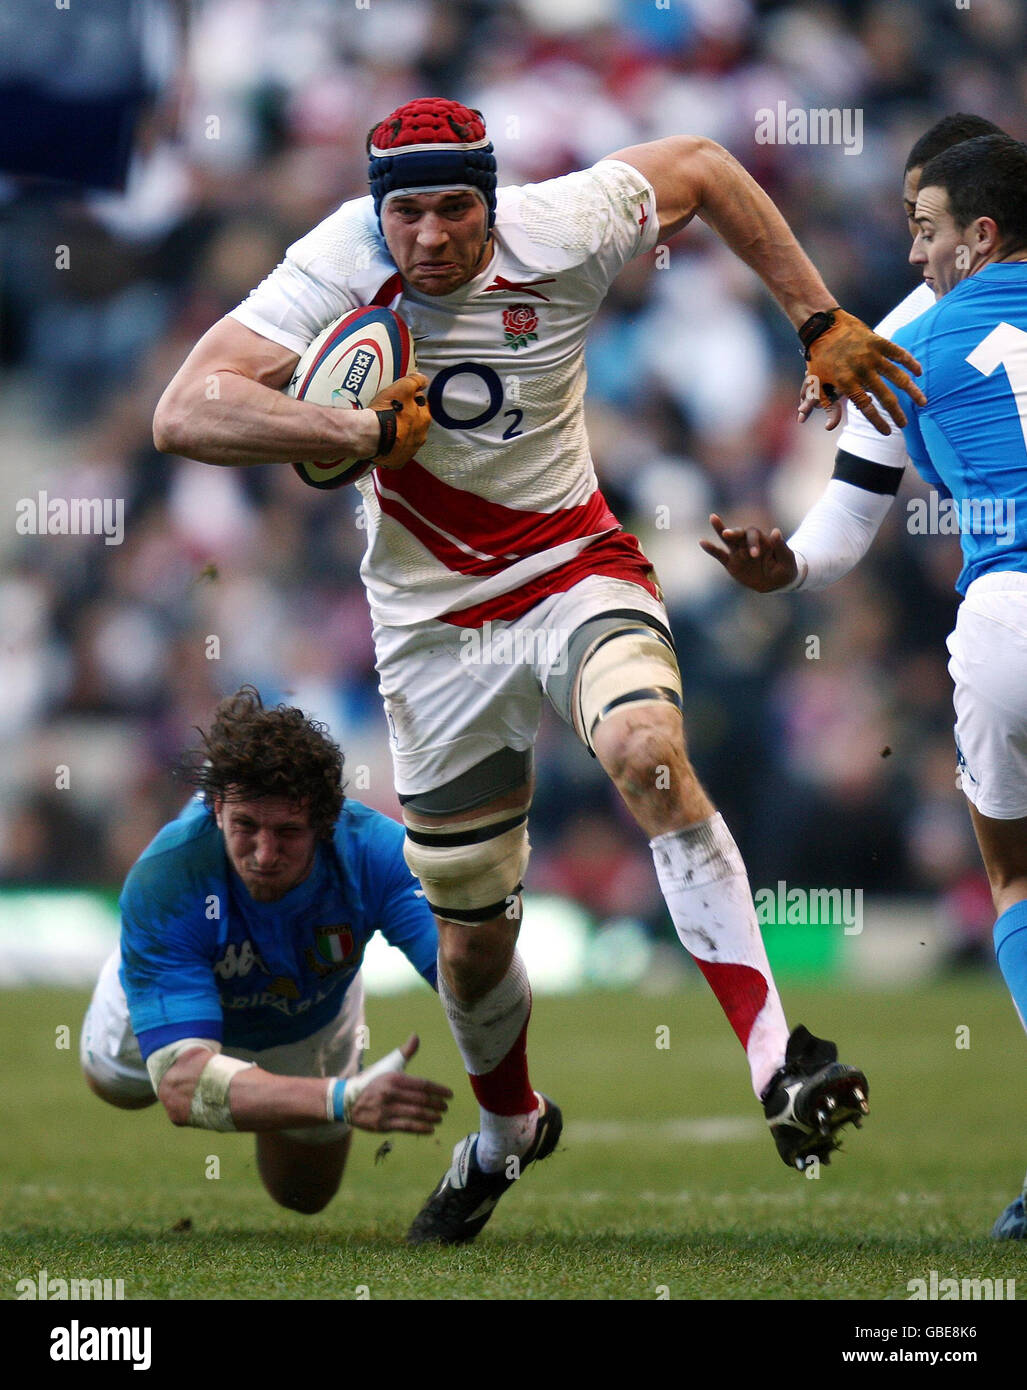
[1003, 845]
[302, 1177]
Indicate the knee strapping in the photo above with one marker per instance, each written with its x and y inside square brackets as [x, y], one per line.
[470, 869]
[631, 666]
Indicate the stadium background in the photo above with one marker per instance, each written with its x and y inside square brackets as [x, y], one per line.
[833, 769]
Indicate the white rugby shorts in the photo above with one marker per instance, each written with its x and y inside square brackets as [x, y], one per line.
[989, 668]
[109, 1050]
[454, 696]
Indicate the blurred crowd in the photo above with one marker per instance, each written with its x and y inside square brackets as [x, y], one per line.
[821, 723]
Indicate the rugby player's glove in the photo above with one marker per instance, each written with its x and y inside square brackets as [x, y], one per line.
[846, 358]
[403, 420]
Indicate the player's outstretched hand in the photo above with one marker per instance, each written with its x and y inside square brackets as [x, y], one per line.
[386, 1099]
[850, 359]
[403, 418]
[760, 562]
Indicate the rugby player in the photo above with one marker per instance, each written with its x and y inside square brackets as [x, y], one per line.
[236, 996]
[498, 529]
[839, 528]
[970, 443]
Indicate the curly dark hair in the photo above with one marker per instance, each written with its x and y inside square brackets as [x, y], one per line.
[257, 752]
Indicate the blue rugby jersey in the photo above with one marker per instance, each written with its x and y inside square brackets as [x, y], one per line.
[970, 440]
[200, 958]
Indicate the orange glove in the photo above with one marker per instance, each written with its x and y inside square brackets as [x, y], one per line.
[403, 417]
[846, 358]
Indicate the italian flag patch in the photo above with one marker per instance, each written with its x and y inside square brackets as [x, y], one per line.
[334, 944]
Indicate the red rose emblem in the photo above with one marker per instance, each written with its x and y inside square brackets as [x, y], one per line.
[520, 319]
[519, 324]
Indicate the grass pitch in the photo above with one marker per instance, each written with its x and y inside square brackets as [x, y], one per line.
[666, 1183]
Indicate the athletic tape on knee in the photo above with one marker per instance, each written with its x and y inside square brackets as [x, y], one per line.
[630, 667]
[470, 869]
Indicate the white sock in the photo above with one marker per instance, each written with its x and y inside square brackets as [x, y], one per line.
[503, 1137]
[486, 1033]
[706, 889]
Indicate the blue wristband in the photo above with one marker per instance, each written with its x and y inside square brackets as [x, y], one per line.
[338, 1099]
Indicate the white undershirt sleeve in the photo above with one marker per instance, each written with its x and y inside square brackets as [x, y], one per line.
[836, 533]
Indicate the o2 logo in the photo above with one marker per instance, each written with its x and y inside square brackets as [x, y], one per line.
[494, 387]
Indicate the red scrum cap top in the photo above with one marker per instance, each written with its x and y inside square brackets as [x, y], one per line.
[428, 121]
[432, 143]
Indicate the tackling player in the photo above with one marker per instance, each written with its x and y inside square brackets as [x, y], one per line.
[970, 443]
[497, 532]
[839, 528]
[236, 996]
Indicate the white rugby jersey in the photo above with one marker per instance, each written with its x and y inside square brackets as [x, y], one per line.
[501, 503]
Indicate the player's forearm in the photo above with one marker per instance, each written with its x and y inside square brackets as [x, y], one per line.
[745, 218]
[256, 1099]
[224, 418]
[260, 1100]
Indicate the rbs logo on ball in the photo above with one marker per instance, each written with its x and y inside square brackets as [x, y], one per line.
[359, 368]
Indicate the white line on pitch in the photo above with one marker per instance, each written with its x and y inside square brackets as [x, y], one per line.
[712, 1129]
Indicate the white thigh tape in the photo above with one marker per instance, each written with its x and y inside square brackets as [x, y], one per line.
[625, 670]
[471, 876]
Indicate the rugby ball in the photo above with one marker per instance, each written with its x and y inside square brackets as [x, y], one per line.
[346, 366]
